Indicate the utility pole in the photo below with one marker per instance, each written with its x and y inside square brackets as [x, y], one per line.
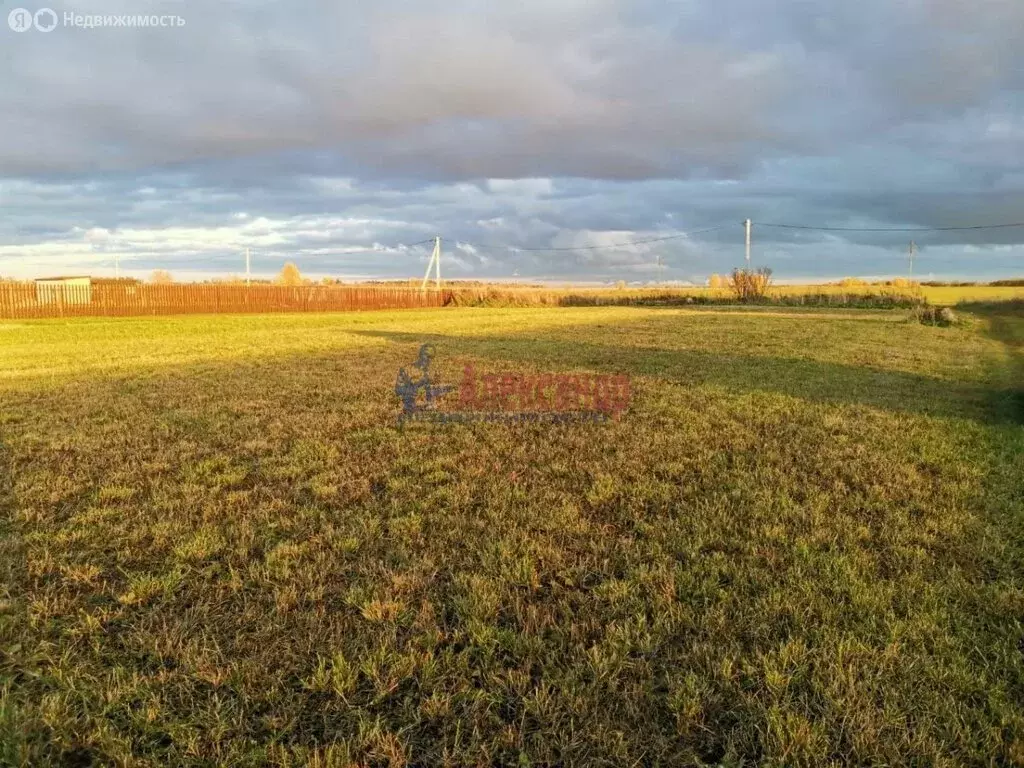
[117, 266]
[913, 250]
[248, 273]
[437, 261]
[434, 263]
[746, 226]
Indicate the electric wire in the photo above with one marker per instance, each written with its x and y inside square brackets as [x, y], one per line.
[888, 229]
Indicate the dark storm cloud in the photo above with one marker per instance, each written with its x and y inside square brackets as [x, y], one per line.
[429, 89]
[305, 130]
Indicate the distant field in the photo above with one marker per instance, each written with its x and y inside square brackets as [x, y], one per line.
[940, 295]
[951, 296]
[801, 545]
[934, 294]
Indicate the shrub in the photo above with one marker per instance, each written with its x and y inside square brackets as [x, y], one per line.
[750, 285]
[940, 316]
[902, 282]
[851, 300]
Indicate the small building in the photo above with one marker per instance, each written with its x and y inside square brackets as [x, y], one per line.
[64, 290]
[81, 289]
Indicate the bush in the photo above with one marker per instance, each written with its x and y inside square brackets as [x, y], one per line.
[852, 300]
[940, 316]
[902, 283]
[750, 285]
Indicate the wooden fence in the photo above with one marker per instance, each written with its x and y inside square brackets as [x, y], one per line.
[21, 300]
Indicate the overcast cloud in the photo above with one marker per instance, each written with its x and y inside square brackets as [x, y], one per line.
[307, 131]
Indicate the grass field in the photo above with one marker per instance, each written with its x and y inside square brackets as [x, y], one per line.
[801, 545]
[952, 295]
[942, 295]
[937, 295]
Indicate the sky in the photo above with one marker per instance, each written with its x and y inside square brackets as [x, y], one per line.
[541, 139]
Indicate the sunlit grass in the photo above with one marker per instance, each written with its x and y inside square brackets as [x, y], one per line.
[850, 292]
[801, 545]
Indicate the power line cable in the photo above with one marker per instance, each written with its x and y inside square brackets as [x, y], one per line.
[889, 229]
